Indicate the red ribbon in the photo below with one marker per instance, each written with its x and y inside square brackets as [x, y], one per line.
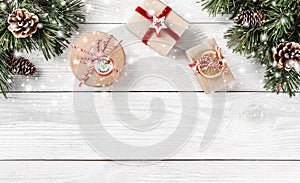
[151, 31]
[193, 64]
[218, 53]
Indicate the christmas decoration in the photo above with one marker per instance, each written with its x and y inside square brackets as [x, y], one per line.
[97, 59]
[158, 25]
[250, 18]
[22, 23]
[269, 32]
[20, 66]
[164, 22]
[35, 25]
[5, 75]
[287, 55]
[209, 65]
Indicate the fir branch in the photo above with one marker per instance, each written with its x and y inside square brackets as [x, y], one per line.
[68, 13]
[282, 24]
[57, 20]
[278, 80]
[232, 7]
[5, 75]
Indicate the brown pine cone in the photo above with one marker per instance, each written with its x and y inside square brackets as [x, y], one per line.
[287, 54]
[250, 18]
[22, 23]
[20, 66]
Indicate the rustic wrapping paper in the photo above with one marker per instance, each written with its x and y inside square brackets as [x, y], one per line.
[138, 25]
[88, 42]
[214, 84]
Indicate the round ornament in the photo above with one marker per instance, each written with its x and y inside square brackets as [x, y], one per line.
[210, 65]
[97, 59]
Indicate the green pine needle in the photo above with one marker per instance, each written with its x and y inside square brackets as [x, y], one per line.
[5, 75]
[58, 19]
[282, 23]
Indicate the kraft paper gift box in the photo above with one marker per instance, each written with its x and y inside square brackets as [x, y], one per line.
[147, 21]
[210, 85]
[83, 53]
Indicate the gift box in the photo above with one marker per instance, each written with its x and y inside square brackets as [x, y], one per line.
[209, 65]
[157, 25]
[97, 59]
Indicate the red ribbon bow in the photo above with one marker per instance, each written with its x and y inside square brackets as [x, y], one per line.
[151, 30]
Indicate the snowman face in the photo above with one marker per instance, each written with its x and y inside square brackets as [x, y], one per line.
[104, 66]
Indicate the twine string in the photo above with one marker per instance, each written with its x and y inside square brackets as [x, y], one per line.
[94, 57]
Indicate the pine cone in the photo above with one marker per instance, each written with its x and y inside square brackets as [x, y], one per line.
[22, 23]
[287, 54]
[20, 66]
[250, 18]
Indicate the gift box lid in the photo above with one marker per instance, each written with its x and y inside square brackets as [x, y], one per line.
[139, 25]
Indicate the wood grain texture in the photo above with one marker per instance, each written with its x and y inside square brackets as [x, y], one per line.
[118, 11]
[43, 126]
[125, 172]
[56, 75]
[257, 140]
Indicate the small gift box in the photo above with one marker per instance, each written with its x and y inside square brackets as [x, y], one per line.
[97, 59]
[157, 25]
[209, 66]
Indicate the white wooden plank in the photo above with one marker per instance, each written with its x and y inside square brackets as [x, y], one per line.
[118, 11]
[255, 126]
[107, 172]
[56, 75]
[38, 126]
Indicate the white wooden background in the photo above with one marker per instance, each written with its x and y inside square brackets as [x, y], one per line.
[40, 140]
